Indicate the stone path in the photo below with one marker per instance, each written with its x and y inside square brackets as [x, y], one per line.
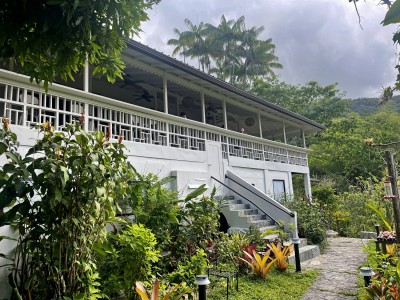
[338, 268]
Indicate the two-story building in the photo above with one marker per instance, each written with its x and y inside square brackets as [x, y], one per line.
[178, 121]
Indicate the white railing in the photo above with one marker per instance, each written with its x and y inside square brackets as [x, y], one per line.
[26, 105]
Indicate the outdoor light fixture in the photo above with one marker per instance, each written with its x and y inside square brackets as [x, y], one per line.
[202, 281]
[388, 189]
[376, 229]
[367, 273]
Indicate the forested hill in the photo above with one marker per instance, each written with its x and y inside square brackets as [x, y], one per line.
[370, 105]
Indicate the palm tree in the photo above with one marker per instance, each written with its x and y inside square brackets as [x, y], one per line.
[228, 50]
[180, 45]
[258, 57]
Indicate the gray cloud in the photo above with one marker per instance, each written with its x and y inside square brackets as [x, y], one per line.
[315, 39]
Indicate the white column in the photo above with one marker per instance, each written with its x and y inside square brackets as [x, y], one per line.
[165, 91]
[86, 77]
[225, 115]
[178, 101]
[203, 107]
[307, 185]
[155, 100]
[284, 133]
[259, 124]
[304, 139]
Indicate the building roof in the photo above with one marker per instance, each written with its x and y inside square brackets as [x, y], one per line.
[173, 66]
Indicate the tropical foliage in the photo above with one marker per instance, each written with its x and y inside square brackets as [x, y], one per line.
[52, 39]
[229, 50]
[132, 256]
[59, 197]
[260, 264]
[281, 254]
[316, 102]
[343, 153]
[172, 293]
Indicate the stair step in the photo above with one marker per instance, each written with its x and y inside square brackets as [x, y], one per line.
[270, 237]
[235, 207]
[234, 201]
[248, 212]
[263, 223]
[256, 218]
[306, 253]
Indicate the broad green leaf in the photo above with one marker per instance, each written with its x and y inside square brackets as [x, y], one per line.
[197, 192]
[14, 157]
[381, 216]
[3, 147]
[166, 180]
[100, 191]
[58, 194]
[393, 14]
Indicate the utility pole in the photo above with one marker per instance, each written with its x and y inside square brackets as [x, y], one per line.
[395, 200]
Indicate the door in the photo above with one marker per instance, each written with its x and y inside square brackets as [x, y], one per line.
[214, 158]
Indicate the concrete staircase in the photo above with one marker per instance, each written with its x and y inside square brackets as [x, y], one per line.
[241, 216]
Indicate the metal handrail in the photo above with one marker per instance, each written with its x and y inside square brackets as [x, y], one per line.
[264, 212]
[288, 213]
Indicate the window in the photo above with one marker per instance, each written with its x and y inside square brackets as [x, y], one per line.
[279, 189]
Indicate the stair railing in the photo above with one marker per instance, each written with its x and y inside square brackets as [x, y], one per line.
[228, 187]
[289, 213]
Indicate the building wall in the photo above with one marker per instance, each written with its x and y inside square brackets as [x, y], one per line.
[191, 169]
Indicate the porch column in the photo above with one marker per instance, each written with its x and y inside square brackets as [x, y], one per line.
[86, 77]
[165, 91]
[155, 100]
[259, 124]
[225, 116]
[307, 185]
[203, 108]
[178, 102]
[85, 108]
[284, 133]
[304, 138]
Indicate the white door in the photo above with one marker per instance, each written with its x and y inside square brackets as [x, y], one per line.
[214, 157]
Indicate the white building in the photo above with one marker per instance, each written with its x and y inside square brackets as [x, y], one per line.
[229, 137]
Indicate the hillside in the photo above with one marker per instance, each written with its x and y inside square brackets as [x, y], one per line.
[369, 105]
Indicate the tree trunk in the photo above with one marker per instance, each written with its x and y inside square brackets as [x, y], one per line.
[395, 200]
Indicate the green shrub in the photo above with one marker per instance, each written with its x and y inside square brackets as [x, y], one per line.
[311, 219]
[64, 191]
[186, 271]
[131, 257]
[155, 206]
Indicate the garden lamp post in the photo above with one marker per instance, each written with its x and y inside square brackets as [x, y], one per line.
[202, 281]
[377, 248]
[376, 229]
[367, 273]
[296, 242]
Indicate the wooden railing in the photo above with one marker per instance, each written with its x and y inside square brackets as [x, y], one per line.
[26, 104]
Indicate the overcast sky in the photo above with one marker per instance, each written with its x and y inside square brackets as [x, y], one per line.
[315, 39]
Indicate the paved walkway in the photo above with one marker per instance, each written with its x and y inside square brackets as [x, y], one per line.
[338, 269]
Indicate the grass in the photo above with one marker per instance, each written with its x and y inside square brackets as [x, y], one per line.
[277, 285]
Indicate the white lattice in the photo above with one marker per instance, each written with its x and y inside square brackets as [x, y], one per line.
[28, 107]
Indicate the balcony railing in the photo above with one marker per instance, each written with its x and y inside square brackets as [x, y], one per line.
[26, 105]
